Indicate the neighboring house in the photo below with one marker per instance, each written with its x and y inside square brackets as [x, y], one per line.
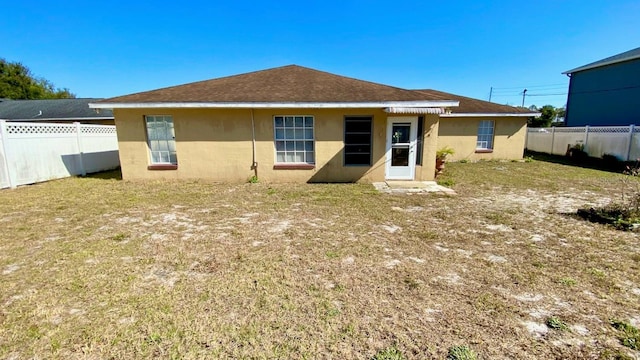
[55, 111]
[605, 92]
[295, 124]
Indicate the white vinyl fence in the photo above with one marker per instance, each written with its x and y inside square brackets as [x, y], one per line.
[34, 152]
[621, 141]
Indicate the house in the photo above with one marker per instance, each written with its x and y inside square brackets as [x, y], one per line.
[605, 92]
[295, 124]
[55, 111]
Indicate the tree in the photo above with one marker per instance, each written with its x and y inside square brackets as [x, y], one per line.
[17, 82]
[548, 114]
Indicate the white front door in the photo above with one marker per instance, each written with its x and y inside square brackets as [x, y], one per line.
[402, 135]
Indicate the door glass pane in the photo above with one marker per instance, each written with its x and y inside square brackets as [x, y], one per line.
[400, 156]
[400, 133]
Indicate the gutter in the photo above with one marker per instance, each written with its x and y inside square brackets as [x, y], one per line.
[277, 105]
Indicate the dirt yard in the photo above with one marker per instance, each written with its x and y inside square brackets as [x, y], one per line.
[103, 268]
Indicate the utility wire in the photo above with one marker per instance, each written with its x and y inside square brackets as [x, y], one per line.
[531, 86]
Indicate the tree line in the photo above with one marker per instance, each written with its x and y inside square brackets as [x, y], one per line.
[18, 83]
[549, 115]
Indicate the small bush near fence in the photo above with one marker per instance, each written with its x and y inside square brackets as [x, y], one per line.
[624, 213]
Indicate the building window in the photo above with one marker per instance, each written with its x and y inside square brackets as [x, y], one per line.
[161, 139]
[357, 140]
[485, 135]
[294, 139]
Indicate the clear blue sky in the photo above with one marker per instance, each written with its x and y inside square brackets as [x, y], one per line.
[110, 48]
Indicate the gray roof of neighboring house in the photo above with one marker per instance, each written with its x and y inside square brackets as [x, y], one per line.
[54, 109]
[625, 56]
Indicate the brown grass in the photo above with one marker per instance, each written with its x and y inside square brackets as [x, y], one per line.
[103, 268]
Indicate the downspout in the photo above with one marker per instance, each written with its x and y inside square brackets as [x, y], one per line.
[254, 166]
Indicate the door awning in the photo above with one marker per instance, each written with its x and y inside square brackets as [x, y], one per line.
[414, 110]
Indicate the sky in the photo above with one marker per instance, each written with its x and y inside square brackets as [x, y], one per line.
[112, 48]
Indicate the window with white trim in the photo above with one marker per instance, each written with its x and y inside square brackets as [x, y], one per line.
[294, 139]
[161, 139]
[485, 135]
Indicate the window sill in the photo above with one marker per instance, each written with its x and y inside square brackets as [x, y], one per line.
[294, 166]
[484, 151]
[162, 167]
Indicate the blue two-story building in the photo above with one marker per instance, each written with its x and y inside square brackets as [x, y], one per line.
[605, 92]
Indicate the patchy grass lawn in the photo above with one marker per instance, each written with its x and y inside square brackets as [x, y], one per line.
[104, 268]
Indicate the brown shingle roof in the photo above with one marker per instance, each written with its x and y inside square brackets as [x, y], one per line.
[473, 106]
[290, 83]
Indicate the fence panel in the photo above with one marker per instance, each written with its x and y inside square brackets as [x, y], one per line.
[94, 140]
[620, 141]
[35, 152]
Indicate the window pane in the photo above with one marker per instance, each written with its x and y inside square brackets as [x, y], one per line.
[155, 157]
[288, 121]
[310, 158]
[290, 134]
[173, 158]
[308, 145]
[280, 156]
[163, 145]
[299, 121]
[300, 145]
[299, 157]
[308, 134]
[279, 134]
[308, 121]
[290, 146]
[279, 121]
[299, 134]
[289, 157]
[280, 145]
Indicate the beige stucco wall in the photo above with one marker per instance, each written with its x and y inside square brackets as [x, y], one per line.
[216, 144]
[460, 133]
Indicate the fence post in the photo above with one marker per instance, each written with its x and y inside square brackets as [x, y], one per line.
[5, 160]
[586, 139]
[631, 128]
[553, 138]
[79, 141]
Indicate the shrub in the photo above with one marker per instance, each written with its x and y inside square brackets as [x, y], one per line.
[630, 336]
[624, 213]
[461, 352]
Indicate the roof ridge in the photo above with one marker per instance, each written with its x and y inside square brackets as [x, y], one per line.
[610, 60]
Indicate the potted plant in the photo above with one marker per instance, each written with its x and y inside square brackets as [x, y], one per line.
[441, 156]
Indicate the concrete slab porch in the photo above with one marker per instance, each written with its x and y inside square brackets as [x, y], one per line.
[412, 187]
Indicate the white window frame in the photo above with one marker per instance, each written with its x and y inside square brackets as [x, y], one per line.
[486, 132]
[168, 156]
[294, 139]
